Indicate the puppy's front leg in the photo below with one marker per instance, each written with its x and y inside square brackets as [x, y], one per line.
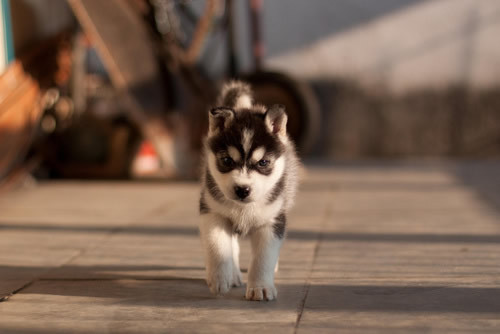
[217, 240]
[266, 246]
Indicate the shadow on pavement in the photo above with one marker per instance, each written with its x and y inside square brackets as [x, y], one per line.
[193, 293]
[293, 234]
[484, 178]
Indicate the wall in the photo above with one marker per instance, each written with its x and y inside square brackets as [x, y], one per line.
[401, 45]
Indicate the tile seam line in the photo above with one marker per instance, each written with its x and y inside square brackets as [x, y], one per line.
[300, 310]
[7, 297]
[106, 236]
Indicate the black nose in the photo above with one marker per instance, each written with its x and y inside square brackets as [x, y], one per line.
[242, 192]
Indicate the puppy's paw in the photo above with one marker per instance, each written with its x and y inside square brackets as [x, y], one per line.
[261, 292]
[220, 281]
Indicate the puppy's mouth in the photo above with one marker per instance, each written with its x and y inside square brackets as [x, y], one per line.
[242, 200]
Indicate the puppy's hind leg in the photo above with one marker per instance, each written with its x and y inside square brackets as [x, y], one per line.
[217, 240]
[237, 279]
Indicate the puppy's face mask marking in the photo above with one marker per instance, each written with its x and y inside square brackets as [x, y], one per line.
[246, 147]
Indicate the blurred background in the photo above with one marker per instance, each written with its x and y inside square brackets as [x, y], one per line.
[120, 89]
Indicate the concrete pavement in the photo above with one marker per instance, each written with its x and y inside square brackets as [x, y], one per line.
[371, 248]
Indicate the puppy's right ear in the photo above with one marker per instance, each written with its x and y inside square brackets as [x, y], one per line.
[276, 119]
[219, 119]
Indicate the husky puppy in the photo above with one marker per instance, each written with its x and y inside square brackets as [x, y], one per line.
[248, 185]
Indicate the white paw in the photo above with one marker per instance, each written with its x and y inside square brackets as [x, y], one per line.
[263, 292]
[220, 281]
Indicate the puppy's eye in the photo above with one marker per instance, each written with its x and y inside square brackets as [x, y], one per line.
[263, 163]
[227, 161]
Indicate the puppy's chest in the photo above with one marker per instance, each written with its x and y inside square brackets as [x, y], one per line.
[245, 219]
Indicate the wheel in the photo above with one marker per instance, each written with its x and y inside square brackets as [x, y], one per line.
[299, 100]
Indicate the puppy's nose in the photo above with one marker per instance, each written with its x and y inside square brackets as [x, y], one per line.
[242, 192]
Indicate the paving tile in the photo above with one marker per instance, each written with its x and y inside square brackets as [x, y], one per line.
[371, 248]
[397, 307]
[134, 305]
[26, 255]
[47, 226]
[84, 203]
[406, 257]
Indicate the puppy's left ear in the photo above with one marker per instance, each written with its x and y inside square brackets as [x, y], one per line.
[275, 119]
[219, 119]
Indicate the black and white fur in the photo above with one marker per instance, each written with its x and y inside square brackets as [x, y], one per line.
[248, 185]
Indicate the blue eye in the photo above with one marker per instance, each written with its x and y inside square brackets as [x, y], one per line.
[263, 163]
[227, 161]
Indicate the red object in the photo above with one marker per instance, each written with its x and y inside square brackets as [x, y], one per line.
[147, 149]
[146, 162]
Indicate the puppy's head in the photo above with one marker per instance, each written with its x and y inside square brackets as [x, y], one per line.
[245, 150]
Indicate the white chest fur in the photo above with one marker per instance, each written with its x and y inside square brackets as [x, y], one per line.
[246, 217]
